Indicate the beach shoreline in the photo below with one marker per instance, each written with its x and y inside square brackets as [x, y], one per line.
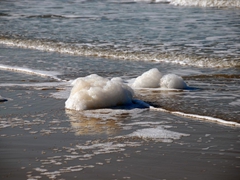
[119, 90]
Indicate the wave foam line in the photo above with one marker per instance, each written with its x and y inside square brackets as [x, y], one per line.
[200, 117]
[51, 74]
[85, 50]
[208, 3]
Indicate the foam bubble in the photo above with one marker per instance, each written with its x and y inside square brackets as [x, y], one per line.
[149, 79]
[172, 81]
[94, 92]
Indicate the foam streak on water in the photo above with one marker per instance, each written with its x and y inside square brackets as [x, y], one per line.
[42, 73]
[199, 117]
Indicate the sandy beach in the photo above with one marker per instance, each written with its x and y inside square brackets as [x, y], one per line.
[41, 140]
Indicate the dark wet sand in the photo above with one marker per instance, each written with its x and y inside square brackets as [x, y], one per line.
[170, 161]
[39, 138]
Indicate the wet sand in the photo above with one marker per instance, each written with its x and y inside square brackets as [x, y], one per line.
[39, 140]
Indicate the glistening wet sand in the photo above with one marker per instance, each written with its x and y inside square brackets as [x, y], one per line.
[40, 140]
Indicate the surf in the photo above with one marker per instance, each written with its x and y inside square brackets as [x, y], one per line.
[91, 50]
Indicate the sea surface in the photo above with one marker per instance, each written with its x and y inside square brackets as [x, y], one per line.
[45, 45]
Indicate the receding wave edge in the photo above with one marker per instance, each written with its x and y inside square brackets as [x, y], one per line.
[200, 117]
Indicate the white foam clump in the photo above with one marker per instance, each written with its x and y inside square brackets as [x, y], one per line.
[149, 79]
[154, 79]
[94, 92]
[172, 81]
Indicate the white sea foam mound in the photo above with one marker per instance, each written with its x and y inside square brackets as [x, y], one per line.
[172, 81]
[154, 79]
[94, 92]
[149, 79]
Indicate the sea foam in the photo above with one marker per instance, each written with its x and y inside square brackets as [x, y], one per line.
[93, 50]
[172, 81]
[50, 74]
[196, 116]
[149, 79]
[94, 92]
[157, 133]
[154, 79]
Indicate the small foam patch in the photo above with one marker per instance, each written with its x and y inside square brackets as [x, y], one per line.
[158, 133]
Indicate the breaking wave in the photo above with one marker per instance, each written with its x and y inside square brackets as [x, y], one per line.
[91, 50]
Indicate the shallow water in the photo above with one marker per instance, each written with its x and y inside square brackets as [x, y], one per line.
[213, 92]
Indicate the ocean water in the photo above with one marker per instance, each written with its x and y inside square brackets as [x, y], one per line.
[46, 45]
